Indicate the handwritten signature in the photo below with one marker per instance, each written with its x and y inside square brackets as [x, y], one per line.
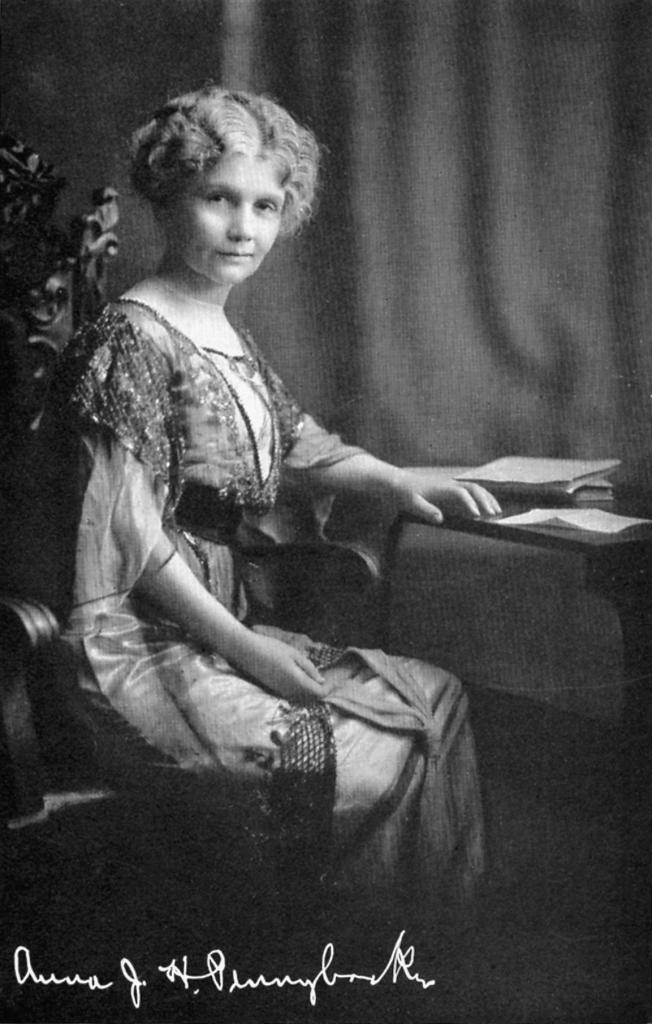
[226, 979]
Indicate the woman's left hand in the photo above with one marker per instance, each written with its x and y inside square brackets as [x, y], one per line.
[430, 494]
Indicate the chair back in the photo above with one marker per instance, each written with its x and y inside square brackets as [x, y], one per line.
[51, 281]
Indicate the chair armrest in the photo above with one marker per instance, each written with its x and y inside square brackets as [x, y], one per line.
[32, 623]
[26, 628]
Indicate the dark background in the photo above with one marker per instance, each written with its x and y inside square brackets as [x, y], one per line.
[477, 279]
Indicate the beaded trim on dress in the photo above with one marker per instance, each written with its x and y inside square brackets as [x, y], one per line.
[114, 376]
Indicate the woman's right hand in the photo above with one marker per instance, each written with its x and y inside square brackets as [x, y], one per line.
[279, 667]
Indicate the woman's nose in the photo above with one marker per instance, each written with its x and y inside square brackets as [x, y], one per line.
[241, 225]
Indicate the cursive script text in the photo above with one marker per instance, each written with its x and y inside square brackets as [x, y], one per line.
[227, 979]
[25, 973]
[399, 965]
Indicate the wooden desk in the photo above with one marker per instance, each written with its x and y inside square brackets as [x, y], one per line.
[617, 566]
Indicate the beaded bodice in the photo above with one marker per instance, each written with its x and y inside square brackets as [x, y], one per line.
[178, 410]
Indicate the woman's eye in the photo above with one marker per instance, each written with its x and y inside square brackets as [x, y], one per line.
[268, 206]
[217, 198]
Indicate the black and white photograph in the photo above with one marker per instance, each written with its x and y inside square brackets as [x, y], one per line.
[325, 511]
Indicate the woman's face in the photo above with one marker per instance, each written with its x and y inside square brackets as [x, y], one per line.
[226, 222]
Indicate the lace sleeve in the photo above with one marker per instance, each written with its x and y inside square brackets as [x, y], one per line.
[114, 377]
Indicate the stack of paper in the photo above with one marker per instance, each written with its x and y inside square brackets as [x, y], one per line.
[593, 519]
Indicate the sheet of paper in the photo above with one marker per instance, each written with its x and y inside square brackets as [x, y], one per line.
[527, 470]
[593, 519]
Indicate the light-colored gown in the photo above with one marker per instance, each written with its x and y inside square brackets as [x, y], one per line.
[388, 756]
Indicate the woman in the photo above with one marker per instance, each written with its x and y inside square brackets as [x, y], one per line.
[186, 431]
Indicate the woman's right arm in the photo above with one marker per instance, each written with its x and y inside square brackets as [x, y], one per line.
[170, 584]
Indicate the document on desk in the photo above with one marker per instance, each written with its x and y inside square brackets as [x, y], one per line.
[593, 519]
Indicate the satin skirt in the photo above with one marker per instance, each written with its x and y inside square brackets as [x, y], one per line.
[407, 802]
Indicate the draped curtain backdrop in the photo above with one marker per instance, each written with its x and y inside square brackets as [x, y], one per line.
[476, 282]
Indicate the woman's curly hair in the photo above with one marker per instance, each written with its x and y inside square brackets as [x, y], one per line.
[191, 133]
